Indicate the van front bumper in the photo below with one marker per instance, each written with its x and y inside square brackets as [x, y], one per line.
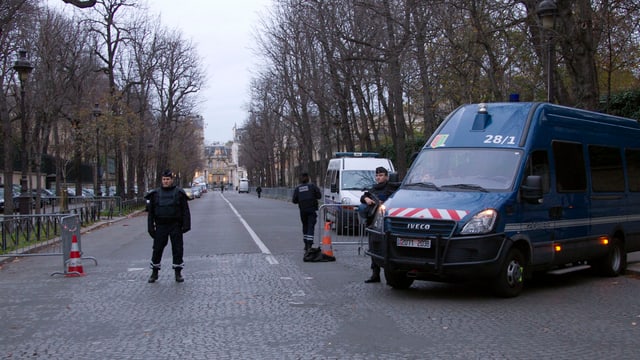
[454, 258]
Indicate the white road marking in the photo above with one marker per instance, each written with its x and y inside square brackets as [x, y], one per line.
[256, 239]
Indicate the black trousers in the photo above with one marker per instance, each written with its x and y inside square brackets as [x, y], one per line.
[308, 219]
[163, 233]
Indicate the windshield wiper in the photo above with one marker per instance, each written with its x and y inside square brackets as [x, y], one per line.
[467, 187]
[424, 184]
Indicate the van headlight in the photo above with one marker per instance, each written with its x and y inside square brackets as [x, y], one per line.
[481, 223]
[345, 201]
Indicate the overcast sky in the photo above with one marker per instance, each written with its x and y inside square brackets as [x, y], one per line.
[222, 31]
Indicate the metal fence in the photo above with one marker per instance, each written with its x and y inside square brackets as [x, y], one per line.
[342, 224]
[90, 209]
[278, 193]
[35, 235]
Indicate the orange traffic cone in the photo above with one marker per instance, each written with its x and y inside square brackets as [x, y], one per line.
[327, 249]
[75, 262]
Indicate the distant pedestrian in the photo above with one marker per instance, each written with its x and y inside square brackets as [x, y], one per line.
[259, 190]
[306, 195]
[168, 217]
[221, 187]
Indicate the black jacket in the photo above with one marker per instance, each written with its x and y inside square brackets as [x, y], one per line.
[306, 195]
[381, 191]
[180, 206]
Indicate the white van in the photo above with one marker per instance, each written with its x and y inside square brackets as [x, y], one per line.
[244, 186]
[348, 175]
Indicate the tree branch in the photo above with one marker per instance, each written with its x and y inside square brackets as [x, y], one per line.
[81, 4]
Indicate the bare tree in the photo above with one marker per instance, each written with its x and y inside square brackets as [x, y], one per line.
[176, 81]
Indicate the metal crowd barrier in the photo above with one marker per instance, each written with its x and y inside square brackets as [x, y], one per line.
[22, 235]
[346, 227]
[70, 228]
[40, 235]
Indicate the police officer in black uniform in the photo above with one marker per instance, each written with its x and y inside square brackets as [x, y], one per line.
[381, 190]
[169, 217]
[306, 195]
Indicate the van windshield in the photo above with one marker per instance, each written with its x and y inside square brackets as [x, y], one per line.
[466, 169]
[358, 179]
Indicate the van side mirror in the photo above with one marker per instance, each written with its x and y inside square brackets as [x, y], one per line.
[531, 190]
[334, 188]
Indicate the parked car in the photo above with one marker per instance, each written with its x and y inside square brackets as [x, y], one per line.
[189, 193]
[16, 200]
[197, 192]
[46, 196]
[1, 199]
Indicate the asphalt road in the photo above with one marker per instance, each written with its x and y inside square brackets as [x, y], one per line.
[248, 295]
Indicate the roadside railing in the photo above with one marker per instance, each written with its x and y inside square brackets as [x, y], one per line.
[23, 234]
[279, 193]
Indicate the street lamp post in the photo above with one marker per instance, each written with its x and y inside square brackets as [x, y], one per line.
[96, 114]
[23, 67]
[547, 12]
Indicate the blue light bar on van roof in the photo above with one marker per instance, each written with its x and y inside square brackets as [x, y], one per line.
[355, 154]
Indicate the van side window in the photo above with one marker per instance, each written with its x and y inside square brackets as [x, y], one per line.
[539, 165]
[569, 167]
[331, 178]
[633, 168]
[607, 173]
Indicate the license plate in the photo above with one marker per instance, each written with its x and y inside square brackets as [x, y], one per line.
[417, 243]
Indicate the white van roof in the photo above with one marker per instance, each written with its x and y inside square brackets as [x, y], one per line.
[364, 163]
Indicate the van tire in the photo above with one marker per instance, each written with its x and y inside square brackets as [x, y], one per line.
[615, 262]
[510, 279]
[398, 279]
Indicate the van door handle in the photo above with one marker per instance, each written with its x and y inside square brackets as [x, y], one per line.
[555, 212]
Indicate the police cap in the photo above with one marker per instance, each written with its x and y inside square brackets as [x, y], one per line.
[381, 170]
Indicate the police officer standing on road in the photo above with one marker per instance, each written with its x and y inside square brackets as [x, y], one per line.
[381, 190]
[169, 217]
[306, 195]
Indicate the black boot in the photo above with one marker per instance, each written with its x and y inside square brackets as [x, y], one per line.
[154, 276]
[375, 274]
[307, 245]
[179, 277]
[375, 278]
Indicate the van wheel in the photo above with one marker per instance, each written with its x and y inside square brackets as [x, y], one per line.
[510, 279]
[397, 279]
[615, 262]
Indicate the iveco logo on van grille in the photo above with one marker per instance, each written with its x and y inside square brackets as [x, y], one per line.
[416, 226]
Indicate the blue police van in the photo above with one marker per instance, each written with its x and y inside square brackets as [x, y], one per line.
[501, 191]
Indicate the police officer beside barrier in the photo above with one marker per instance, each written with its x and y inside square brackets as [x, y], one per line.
[381, 190]
[306, 195]
[169, 217]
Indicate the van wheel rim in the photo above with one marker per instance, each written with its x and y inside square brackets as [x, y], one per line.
[514, 273]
